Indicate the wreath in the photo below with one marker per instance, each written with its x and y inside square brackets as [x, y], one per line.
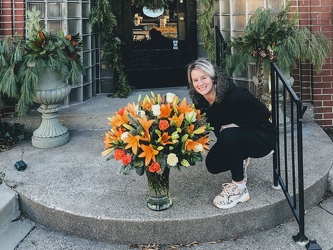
[151, 4]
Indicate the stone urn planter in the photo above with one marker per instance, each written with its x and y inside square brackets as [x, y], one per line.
[50, 92]
[266, 96]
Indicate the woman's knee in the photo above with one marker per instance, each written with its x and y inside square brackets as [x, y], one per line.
[213, 166]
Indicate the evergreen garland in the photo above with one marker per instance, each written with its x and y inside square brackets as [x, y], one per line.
[205, 20]
[102, 16]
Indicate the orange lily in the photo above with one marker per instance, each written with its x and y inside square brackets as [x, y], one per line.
[148, 153]
[199, 116]
[183, 107]
[204, 142]
[178, 120]
[165, 139]
[191, 145]
[131, 109]
[165, 110]
[147, 103]
[190, 128]
[146, 125]
[110, 137]
[132, 142]
[118, 120]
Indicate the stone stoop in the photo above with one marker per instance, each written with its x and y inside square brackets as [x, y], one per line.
[13, 229]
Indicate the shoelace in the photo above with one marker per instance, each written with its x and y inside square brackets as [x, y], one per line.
[228, 188]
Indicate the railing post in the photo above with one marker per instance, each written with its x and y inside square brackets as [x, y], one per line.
[275, 120]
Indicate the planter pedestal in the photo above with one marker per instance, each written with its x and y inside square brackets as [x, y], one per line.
[266, 98]
[50, 92]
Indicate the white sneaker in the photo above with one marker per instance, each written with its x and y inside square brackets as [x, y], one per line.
[246, 163]
[230, 196]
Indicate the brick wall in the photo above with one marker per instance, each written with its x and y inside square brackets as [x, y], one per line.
[12, 21]
[317, 15]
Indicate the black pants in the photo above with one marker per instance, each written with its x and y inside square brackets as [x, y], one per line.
[232, 147]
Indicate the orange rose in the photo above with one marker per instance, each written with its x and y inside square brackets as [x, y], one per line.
[155, 167]
[163, 125]
[126, 159]
[118, 154]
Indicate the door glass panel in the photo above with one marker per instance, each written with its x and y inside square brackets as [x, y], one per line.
[150, 32]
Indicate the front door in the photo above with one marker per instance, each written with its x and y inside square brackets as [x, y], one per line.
[158, 43]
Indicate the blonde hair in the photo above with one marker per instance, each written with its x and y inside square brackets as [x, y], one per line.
[201, 64]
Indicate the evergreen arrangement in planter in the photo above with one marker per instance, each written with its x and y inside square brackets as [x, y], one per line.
[277, 38]
[23, 61]
[102, 17]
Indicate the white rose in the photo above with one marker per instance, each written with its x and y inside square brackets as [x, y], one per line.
[170, 97]
[124, 135]
[156, 109]
[172, 160]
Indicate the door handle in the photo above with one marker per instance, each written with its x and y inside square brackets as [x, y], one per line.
[181, 26]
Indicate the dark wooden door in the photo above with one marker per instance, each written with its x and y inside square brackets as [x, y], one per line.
[150, 64]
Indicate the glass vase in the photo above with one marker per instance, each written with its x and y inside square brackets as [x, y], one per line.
[158, 190]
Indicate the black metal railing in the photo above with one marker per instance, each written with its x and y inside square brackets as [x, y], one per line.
[287, 113]
[221, 46]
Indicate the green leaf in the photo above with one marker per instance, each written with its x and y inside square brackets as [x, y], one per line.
[140, 170]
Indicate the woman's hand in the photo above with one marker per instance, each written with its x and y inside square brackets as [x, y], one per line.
[231, 125]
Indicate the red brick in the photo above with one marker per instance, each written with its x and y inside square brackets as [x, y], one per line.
[324, 85]
[328, 103]
[320, 9]
[327, 91]
[328, 116]
[318, 116]
[322, 110]
[324, 122]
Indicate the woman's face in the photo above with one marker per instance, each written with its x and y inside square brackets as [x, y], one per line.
[202, 82]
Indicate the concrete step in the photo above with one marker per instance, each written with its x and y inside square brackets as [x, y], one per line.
[319, 221]
[13, 229]
[74, 190]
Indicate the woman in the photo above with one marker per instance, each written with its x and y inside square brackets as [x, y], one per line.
[241, 125]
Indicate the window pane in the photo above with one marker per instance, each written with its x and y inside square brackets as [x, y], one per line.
[239, 6]
[73, 10]
[255, 4]
[54, 26]
[54, 10]
[40, 7]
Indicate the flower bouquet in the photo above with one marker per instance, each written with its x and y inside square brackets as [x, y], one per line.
[155, 135]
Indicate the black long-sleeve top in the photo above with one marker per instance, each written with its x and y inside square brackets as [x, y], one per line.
[240, 107]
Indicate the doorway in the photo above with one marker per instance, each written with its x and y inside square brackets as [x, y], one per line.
[158, 43]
